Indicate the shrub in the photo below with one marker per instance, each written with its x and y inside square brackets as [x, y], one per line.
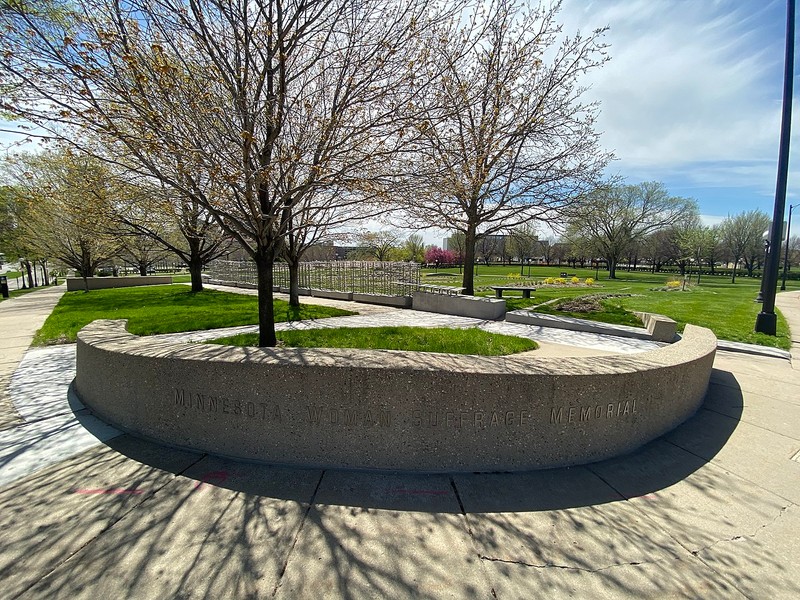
[549, 281]
[674, 284]
[589, 281]
[575, 280]
[560, 280]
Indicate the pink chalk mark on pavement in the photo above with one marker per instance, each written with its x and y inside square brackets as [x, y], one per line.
[219, 477]
[110, 491]
[646, 497]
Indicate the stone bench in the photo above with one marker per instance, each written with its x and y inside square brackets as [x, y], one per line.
[428, 287]
[476, 307]
[390, 410]
[499, 289]
[383, 299]
[661, 328]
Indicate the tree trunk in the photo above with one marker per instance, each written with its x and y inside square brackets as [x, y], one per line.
[468, 281]
[294, 282]
[45, 276]
[30, 274]
[266, 309]
[612, 267]
[195, 264]
[735, 264]
[196, 273]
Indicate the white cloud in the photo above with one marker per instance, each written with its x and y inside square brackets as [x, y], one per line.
[711, 220]
[689, 82]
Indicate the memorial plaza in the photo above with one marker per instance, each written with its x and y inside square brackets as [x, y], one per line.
[708, 510]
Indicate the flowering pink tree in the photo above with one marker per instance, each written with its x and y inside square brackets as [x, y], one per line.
[434, 254]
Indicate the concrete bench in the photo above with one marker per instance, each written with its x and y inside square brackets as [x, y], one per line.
[477, 307]
[661, 328]
[430, 288]
[565, 274]
[499, 289]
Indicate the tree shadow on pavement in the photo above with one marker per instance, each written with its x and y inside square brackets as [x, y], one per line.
[135, 519]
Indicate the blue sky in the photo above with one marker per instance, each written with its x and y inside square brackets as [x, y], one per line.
[692, 96]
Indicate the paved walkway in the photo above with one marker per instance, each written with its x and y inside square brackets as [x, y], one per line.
[711, 510]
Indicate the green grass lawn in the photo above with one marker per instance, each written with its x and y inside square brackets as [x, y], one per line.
[418, 339]
[612, 313]
[164, 309]
[728, 309]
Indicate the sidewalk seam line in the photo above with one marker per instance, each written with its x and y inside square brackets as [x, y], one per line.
[710, 461]
[109, 526]
[279, 582]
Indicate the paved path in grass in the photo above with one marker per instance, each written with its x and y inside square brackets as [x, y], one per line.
[553, 342]
[710, 510]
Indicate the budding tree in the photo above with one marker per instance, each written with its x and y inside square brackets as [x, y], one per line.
[616, 216]
[742, 237]
[66, 198]
[505, 138]
[208, 95]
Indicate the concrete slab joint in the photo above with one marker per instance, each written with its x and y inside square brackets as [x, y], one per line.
[390, 410]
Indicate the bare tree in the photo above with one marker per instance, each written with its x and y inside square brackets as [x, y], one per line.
[615, 216]
[178, 223]
[315, 219]
[487, 247]
[660, 247]
[546, 247]
[380, 245]
[140, 251]
[505, 138]
[522, 243]
[794, 251]
[742, 237]
[208, 95]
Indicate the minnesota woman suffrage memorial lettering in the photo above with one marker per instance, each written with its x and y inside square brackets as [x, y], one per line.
[323, 415]
[371, 409]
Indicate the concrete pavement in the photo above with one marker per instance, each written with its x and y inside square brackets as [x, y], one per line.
[20, 319]
[711, 510]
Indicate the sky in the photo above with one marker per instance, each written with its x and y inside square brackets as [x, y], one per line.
[691, 97]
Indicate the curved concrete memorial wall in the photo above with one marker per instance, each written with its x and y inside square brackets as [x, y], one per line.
[386, 409]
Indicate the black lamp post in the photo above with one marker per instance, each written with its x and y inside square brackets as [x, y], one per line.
[760, 297]
[786, 249]
[767, 320]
